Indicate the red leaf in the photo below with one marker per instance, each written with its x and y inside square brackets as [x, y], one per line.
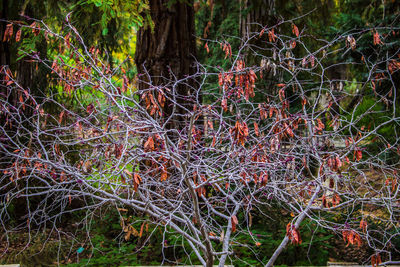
[289, 131]
[245, 129]
[256, 130]
[312, 61]
[8, 33]
[149, 145]
[292, 44]
[224, 104]
[90, 108]
[234, 223]
[227, 49]
[358, 154]
[35, 28]
[324, 202]
[293, 234]
[220, 79]
[295, 30]
[137, 180]
[373, 261]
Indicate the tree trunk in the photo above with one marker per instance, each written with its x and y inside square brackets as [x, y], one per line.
[167, 54]
[261, 11]
[28, 75]
[164, 56]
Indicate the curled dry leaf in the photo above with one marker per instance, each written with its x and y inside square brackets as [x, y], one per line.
[295, 30]
[18, 35]
[234, 222]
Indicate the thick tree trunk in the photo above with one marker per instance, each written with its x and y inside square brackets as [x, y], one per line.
[27, 72]
[4, 62]
[4, 51]
[28, 76]
[166, 55]
[261, 12]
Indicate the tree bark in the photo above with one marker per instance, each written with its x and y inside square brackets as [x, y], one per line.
[167, 54]
[165, 58]
[261, 11]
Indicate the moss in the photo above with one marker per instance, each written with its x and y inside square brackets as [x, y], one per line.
[36, 250]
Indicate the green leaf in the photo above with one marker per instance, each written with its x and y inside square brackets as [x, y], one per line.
[98, 3]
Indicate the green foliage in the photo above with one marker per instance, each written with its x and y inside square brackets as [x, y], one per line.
[118, 21]
[42, 250]
[109, 248]
[106, 253]
[224, 28]
[314, 250]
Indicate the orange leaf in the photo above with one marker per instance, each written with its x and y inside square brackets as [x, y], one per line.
[164, 173]
[206, 47]
[210, 124]
[213, 142]
[61, 116]
[271, 35]
[363, 225]
[281, 94]
[378, 259]
[18, 36]
[141, 230]
[377, 39]
[262, 32]
[303, 101]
